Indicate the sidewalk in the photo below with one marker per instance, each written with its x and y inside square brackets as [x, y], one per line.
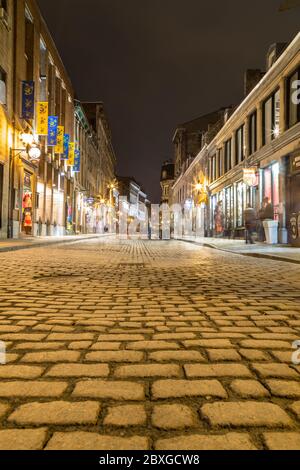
[285, 253]
[37, 242]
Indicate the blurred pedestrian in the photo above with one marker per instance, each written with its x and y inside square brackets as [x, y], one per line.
[219, 219]
[250, 223]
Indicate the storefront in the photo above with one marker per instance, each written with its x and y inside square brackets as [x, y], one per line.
[27, 196]
[270, 187]
[293, 196]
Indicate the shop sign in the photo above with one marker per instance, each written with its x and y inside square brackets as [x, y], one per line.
[296, 163]
[28, 100]
[250, 176]
[52, 131]
[42, 118]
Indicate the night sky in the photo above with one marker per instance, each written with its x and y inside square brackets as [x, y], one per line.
[158, 63]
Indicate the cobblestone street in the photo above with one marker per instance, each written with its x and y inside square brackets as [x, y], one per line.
[148, 345]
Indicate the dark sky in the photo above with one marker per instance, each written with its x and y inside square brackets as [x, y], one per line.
[158, 63]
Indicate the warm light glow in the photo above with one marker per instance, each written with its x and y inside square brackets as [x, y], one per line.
[276, 131]
[27, 138]
[198, 186]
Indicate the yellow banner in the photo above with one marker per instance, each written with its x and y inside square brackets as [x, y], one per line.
[42, 118]
[60, 140]
[71, 160]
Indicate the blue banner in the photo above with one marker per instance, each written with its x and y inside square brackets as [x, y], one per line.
[52, 131]
[27, 100]
[66, 147]
[76, 167]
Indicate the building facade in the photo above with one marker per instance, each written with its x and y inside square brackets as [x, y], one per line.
[41, 189]
[166, 181]
[255, 154]
[6, 108]
[45, 166]
[95, 188]
[129, 188]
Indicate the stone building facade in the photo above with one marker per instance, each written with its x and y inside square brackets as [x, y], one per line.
[94, 184]
[38, 184]
[255, 154]
[166, 181]
[41, 191]
[6, 108]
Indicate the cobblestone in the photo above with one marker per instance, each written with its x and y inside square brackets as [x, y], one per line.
[56, 412]
[141, 345]
[173, 417]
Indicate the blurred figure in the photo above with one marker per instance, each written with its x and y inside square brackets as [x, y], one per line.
[250, 223]
[269, 209]
[219, 219]
[266, 213]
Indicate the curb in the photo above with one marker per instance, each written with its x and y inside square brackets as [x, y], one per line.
[47, 243]
[252, 255]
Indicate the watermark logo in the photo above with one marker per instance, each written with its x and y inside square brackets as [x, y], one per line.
[155, 222]
[296, 93]
[2, 353]
[296, 354]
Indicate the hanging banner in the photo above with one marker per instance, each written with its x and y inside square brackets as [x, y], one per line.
[66, 146]
[52, 131]
[71, 159]
[42, 118]
[27, 100]
[76, 167]
[59, 148]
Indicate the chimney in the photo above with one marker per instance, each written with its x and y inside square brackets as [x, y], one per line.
[274, 53]
[251, 78]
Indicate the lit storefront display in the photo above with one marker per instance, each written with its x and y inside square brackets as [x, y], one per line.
[27, 204]
[270, 186]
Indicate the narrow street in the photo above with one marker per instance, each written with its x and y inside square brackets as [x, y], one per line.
[148, 345]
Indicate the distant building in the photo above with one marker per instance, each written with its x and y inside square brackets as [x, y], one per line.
[136, 197]
[166, 181]
[188, 138]
[187, 142]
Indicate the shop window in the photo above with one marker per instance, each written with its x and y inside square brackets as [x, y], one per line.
[240, 204]
[293, 99]
[3, 84]
[1, 193]
[227, 156]
[29, 44]
[271, 186]
[43, 72]
[240, 145]
[253, 133]
[219, 164]
[271, 118]
[27, 204]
